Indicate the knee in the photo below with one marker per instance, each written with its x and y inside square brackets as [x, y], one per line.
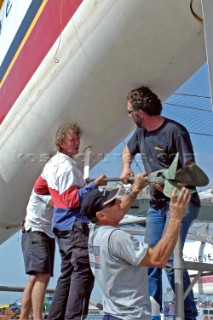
[42, 277]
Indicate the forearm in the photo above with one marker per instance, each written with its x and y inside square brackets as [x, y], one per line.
[126, 158]
[159, 255]
[163, 250]
[139, 184]
[82, 191]
[126, 203]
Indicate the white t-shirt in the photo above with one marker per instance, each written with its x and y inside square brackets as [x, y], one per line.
[114, 259]
[39, 214]
[65, 182]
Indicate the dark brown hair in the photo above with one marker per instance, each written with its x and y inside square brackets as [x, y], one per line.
[143, 98]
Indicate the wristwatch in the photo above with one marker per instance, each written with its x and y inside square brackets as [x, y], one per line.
[131, 194]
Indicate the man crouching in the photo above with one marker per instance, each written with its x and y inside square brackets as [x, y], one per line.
[118, 260]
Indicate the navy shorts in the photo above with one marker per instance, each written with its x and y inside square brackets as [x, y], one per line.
[38, 251]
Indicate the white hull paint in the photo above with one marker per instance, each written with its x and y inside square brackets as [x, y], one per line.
[203, 288]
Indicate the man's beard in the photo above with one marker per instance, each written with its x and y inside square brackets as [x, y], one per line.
[139, 122]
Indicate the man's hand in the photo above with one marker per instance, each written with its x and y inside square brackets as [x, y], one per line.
[157, 186]
[23, 226]
[125, 174]
[51, 203]
[179, 204]
[100, 180]
[140, 182]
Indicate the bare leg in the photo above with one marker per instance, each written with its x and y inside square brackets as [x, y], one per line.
[26, 303]
[38, 294]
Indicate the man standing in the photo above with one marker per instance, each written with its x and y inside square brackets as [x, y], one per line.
[67, 188]
[158, 140]
[118, 260]
[38, 247]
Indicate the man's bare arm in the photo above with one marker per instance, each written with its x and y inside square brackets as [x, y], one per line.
[51, 203]
[126, 164]
[159, 255]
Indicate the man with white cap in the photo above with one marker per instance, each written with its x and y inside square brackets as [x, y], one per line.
[118, 260]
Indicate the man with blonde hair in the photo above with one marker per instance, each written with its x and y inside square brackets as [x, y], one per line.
[67, 187]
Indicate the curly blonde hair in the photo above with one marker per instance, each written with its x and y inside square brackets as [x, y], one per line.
[63, 130]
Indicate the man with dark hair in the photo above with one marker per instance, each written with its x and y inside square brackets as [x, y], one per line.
[67, 187]
[158, 140]
[118, 260]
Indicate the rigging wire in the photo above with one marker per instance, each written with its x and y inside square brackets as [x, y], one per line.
[56, 59]
[190, 95]
[187, 107]
[201, 134]
[193, 108]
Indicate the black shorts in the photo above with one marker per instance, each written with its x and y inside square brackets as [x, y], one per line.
[38, 251]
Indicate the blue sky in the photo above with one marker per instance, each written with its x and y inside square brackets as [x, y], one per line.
[191, 106]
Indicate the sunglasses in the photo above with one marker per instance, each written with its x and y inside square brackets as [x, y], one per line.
[112, 203]
[109, 205]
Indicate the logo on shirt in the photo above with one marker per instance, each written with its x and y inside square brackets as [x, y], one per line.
[159, 148]
[94, 257]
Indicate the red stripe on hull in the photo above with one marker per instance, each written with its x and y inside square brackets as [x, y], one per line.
[207, 279]
[51, 22]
